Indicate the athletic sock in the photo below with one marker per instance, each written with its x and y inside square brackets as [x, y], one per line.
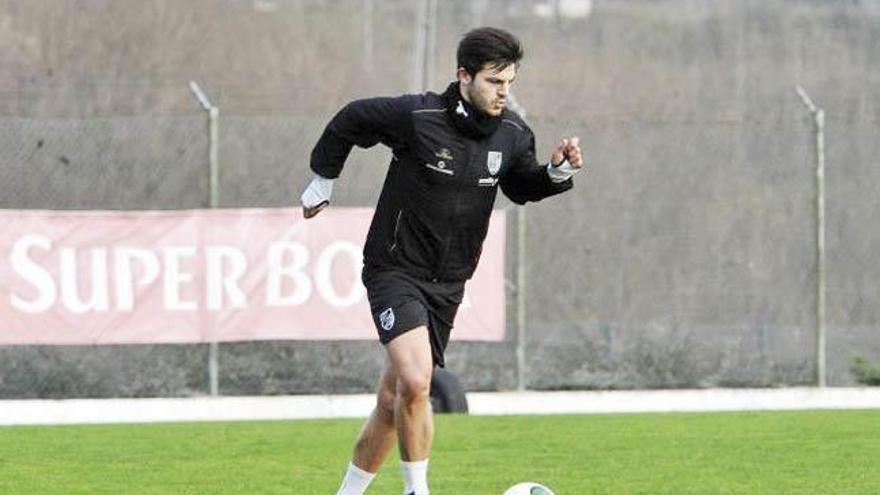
[415, 477]
[356, 481]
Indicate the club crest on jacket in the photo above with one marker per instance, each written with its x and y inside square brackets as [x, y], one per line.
[493, 162]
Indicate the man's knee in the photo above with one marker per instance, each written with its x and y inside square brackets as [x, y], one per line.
[414, 386]
[410, 354]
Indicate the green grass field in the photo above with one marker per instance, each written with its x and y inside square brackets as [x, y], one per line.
[744, 453]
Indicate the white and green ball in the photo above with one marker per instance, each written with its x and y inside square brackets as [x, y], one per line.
[528, 488]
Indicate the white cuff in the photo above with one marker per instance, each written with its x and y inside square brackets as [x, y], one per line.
[561, 172]
[318, 191]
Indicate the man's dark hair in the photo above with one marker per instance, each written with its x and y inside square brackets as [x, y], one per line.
[488, 47]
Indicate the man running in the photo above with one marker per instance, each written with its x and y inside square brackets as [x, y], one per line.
[451, 153]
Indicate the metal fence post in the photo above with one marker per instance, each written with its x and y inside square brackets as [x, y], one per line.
[819, 127]
[369, 46]
[521, 367]
[521, 299]
[213, 199]
[423, 61]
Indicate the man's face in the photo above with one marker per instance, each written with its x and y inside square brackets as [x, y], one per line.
[488, 90]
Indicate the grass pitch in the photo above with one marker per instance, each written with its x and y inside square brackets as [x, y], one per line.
[740, 453]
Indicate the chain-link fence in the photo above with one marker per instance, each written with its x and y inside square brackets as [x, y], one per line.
[684, 257]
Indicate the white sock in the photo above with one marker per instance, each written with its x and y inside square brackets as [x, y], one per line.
[356, 481]
[415, 477]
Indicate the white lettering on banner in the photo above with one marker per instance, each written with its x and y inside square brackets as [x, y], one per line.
[219, 282]
[174, 278]
[324, 268]
[33, 273]
[100, 299]
[278, 271]
[124, 259]
[101, 279]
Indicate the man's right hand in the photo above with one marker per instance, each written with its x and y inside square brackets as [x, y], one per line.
[316, 196]
[310, 212]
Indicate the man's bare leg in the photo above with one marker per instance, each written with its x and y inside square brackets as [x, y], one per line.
[376, 439]
[410, 355]
[379, 433]
[402, 412]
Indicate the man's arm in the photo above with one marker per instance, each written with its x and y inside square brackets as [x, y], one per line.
[362, 123]
[529, 180]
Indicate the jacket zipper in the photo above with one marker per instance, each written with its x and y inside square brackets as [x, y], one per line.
[396, 228]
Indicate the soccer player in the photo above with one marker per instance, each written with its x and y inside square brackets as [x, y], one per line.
[451, 153]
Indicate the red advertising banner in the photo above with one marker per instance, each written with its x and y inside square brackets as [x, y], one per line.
[102, 277]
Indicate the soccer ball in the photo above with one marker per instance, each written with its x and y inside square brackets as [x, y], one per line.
[528, 488]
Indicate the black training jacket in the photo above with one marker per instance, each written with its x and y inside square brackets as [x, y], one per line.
[434, 209]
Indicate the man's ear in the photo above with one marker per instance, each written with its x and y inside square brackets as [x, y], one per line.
[463, 76]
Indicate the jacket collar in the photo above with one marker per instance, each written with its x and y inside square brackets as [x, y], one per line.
[465, 117]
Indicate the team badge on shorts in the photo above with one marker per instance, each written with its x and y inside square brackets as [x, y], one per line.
[493, 162]
[386, 319]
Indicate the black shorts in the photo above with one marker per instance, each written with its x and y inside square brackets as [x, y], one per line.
[400, 303]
